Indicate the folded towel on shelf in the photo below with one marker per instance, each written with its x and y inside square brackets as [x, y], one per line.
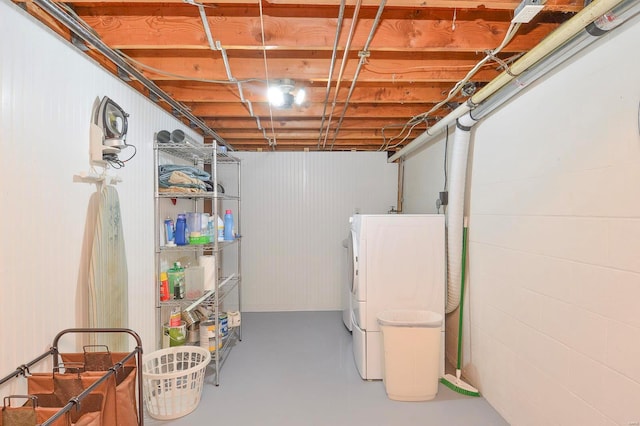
[182, 180]
[180, 189]
[191, 171]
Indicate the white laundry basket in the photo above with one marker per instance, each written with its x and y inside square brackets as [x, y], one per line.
[411, 343]
[173, 380]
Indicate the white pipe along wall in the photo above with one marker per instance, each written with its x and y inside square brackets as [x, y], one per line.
[455, 210]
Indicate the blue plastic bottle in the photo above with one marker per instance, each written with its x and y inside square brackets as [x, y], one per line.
[228, 226]
[181, 230]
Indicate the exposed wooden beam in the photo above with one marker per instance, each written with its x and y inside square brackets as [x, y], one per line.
[310, 143]
[222, 110]
[239, 135]
[244, 33]
[556, 5]
[205, 66]
[255, 92]
[356, 123]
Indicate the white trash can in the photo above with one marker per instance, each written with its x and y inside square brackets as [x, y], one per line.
[411, 342]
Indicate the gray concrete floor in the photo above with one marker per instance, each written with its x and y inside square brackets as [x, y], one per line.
[296, 368]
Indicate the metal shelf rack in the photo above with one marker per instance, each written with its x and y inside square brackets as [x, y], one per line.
[206, 157]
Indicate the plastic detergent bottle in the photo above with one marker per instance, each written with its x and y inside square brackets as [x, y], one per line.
[164, 287]
[176, 281]
[228, 226]
[168, 232]
[181, 230]
[211, 233]
[220, 229]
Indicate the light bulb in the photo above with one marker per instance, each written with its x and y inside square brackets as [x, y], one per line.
[275, 96]
[300, 97]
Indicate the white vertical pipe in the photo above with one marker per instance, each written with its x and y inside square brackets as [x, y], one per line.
[455, 210]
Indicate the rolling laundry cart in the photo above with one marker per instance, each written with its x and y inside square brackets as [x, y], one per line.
[95, 387]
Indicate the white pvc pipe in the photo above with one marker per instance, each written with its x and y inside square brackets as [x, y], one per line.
[455, 209]
[431, 132]
[554, 40]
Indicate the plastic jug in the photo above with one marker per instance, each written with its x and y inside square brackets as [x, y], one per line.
[228, 226]
[194, 224]
[220, 229]
[181, 230]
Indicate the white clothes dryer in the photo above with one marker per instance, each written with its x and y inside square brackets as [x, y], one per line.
[398, 263]
[347, 243]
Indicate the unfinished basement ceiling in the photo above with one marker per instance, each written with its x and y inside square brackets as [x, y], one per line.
[395, 71]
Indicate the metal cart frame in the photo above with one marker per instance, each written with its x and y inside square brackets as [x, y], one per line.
[23, 370]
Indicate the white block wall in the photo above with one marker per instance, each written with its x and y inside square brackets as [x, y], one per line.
[554, 271]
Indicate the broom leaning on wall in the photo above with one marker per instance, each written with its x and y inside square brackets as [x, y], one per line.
[455, 383]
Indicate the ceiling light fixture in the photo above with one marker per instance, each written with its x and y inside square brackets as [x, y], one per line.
[280, 94]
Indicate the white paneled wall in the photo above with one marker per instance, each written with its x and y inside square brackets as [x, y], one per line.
[295, 211]
[424, 176]
[47, 90]
[554, 271]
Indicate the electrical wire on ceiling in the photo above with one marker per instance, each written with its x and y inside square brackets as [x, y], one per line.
[231, 81]
[195, 3]
[216, 46]
[378, 70]
[69, 10]
[411, 126]
[489, 55]
[155, 70]
[272, 142]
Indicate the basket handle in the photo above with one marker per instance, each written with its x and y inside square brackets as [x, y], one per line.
[85, 347]
[7, 400]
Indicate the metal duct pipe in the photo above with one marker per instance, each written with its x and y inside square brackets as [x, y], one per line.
[563, 34]
[334, 53]
[52, 9]
[364, 54]
[207, 28]
[343, 65]
[217, 46]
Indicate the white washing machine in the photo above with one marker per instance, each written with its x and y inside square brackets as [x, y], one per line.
[347, 311]
[398, 262]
